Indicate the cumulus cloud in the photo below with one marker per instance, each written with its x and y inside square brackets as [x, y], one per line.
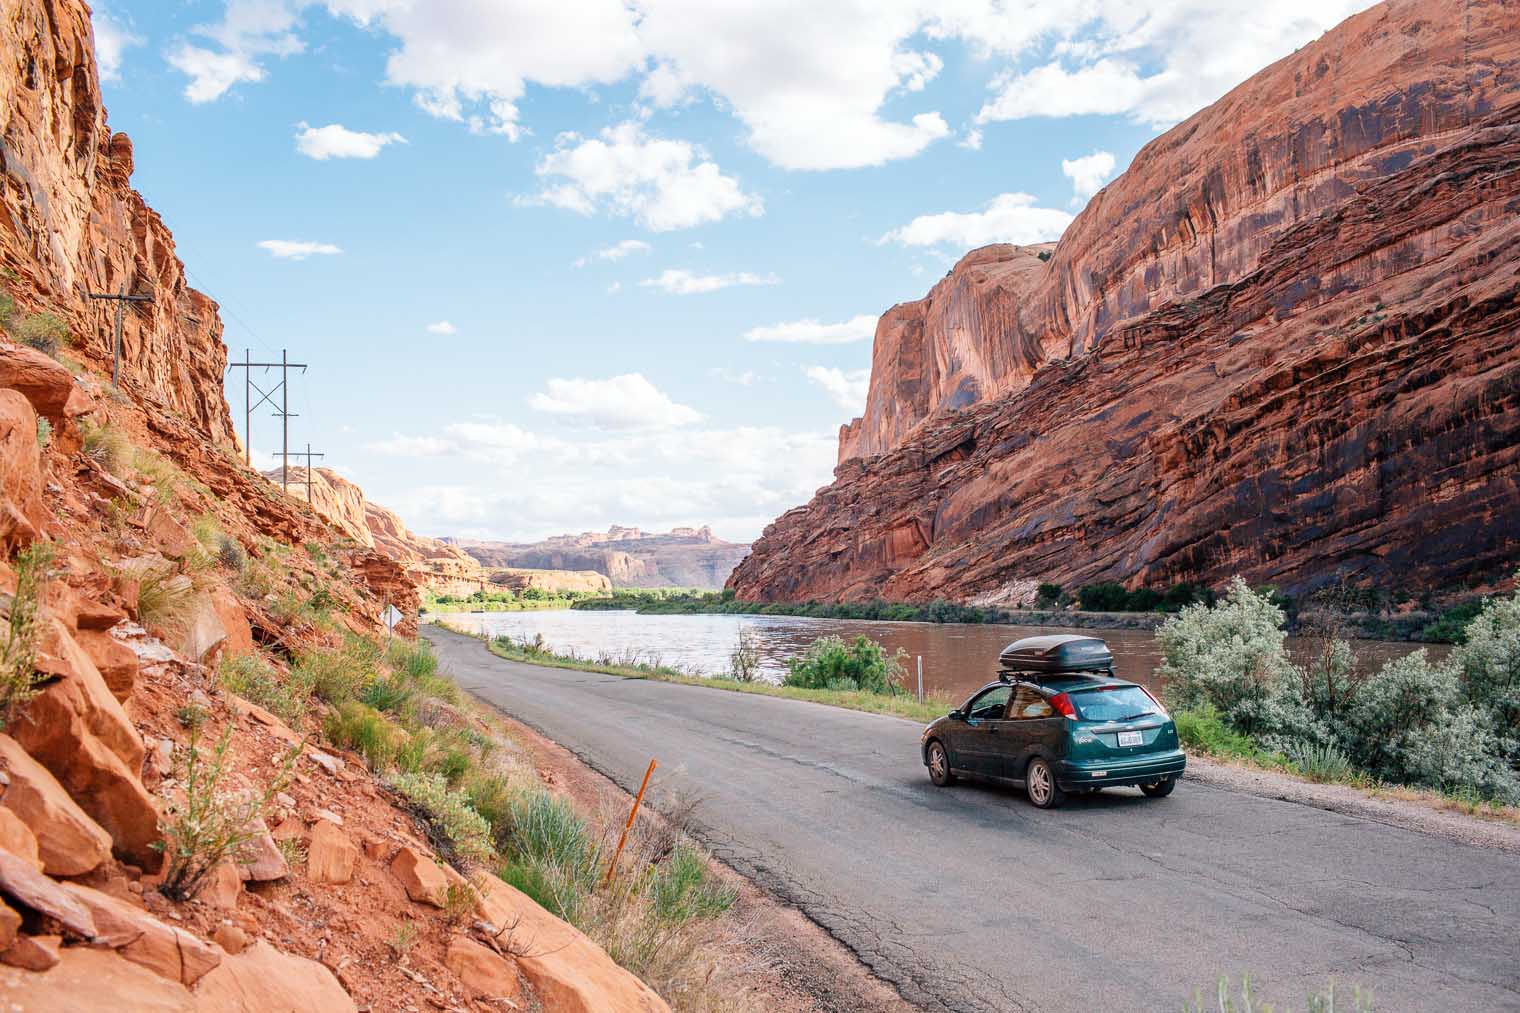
[229, 52]
[617, 251]
[442, 327]
[809, 331]
[1087, 174]
[661, 184]
[298, 249]
[682, 282]
[626, 402]
[337, 141]
[112, 40]
[411, 446]
[848, 388]
[1007, 218]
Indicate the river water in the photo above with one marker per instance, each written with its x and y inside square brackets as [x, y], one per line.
[957, 657]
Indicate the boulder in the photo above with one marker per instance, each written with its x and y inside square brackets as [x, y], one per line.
[10, 925]
[45, 383]
[263, 979]
[32, 953]
[330, 855]
[77, 729]
[169, 536]
[26, 887]
[234, 620]
[68, 841]
[260, 859]
[84, 977]
[484, 971]
[222, 886]
[22, 512]
[141, 938]
[17, 838]
[567, 970]
[420, 875]
[116, 662]
[230, 938]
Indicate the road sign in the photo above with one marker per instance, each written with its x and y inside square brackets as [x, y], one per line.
[390, 617]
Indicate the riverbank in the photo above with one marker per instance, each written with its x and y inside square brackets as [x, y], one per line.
[1419, 627]
[902, 706]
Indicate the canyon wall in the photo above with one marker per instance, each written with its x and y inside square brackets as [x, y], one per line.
[683, 557]
[1285, 343]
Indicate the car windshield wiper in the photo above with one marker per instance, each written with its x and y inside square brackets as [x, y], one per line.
[1131, 717]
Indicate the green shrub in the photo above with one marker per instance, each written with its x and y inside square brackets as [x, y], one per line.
[387, 693]
[1048, 596]
[229, 552]
[18, 653]
[489, 794]
[1205, 731]
[165, 599]
[1323, 762]
[44, 433]
[341, 673]
[1489, 658]
[830, 663]
[744, 660]
[1450, 627]
[257, 682]
[45, 332]
[415, 659]
[448, 812]
[105, 445]
[352, 725]
[683, 887]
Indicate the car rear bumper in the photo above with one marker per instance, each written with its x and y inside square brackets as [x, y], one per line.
[1131, 770]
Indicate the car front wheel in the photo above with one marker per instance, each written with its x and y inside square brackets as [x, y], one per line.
[1161, 789]
[939, 766]
[1040, 782]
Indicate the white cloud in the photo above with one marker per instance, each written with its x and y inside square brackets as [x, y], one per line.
[674, 281]
[249, 29]
[810, 332]
[112, 40]
[442, 327]
[1008, 218]
[661, 184]
[412, 446]
[1155, 63]
[745, 378]
[848, 388]
[1088, 174]
[972, 140]
[627, 402]
[297, 249]
[337, 141]
[617, 251]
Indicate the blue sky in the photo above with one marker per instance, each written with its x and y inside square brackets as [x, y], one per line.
[562, 265]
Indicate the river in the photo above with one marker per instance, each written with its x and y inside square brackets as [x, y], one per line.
[957, 657]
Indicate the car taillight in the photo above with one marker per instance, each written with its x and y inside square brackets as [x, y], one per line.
[1160, 707]
[1063, 705]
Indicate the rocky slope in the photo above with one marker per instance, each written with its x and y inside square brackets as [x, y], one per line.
[1285, 343]
[683, 557]
[140, 563]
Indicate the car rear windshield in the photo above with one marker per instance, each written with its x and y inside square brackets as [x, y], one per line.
[1113, 703]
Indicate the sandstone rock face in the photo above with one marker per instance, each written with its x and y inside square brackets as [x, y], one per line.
[1284, 344]
[332, 496]
[139, 937]
[22, 513]
[83, 976]
[263, 978]
[483, 970]
[684, 557]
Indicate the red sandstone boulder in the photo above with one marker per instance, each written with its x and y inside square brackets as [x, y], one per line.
[260, 859]
[117, 663]
[330, 855]
[32, 953]
[84, 978]
[264, 979]
[46, 383]
[22, 513]
[77, 729]
[17, 838]
[10, 926]
[68, 841]
[485, 972]
[25, 887]
[420, 875]
[138, 936]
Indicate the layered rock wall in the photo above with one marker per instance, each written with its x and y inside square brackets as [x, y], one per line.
[1285, 344]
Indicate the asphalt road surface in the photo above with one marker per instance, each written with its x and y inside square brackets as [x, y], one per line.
[968, 898]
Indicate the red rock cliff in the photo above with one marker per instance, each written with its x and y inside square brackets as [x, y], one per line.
[1285, 342]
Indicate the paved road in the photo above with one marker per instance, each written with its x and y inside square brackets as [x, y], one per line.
[968, 898]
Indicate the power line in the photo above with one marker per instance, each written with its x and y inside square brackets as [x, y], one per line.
[284, 413]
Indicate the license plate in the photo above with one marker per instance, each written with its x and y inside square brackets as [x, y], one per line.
[1130, 738]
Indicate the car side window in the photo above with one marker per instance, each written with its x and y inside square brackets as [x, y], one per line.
[1028, 704]
[991, 704]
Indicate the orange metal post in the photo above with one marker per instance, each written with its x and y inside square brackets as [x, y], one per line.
[623, 838]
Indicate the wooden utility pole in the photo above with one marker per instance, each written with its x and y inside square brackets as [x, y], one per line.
[282, 388]
[308, 455]
[121, 299]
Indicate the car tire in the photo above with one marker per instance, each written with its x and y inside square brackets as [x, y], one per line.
[1040, 784]
[1161, 789]
[939, 765]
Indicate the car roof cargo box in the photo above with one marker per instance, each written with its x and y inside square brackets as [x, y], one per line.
[1062, 652]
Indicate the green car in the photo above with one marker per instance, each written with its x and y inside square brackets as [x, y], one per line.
[1056, 722]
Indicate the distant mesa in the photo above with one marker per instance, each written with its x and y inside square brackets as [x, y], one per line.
[628, 557]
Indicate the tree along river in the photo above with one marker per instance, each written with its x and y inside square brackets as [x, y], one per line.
[958, 657]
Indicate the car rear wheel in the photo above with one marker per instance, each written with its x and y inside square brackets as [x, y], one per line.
[939, 766]
[1040, 782]
[1161, 789]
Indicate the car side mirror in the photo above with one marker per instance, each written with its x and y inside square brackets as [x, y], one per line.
[957, 715]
